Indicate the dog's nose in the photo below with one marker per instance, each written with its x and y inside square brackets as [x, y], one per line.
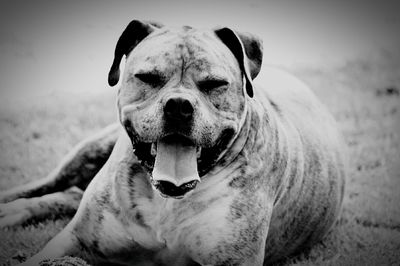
[169, 189]
[178, 108]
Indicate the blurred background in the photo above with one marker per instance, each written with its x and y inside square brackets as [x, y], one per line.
[54, 62]
[48, 46]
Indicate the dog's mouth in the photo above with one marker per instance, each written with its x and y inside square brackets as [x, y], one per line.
[176, 163]
[173, 164]
[175, 168]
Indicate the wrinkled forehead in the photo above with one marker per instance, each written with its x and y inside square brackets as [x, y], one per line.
[185, 48]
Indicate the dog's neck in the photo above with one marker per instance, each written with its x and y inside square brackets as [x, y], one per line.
[262, 151]
[239, 143]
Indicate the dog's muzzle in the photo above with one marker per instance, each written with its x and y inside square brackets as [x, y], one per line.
[175, 169]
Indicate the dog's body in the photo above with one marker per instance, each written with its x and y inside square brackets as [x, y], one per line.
[271, 167]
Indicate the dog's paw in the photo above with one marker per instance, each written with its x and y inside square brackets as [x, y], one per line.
[14, 213]
[5, 196]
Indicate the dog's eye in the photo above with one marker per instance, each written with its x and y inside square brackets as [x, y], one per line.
[210, 84]
[152, 79]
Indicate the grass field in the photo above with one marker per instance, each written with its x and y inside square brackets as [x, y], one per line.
[361, 94]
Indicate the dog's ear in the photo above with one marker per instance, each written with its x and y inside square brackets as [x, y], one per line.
[247, 49]
[134, 33]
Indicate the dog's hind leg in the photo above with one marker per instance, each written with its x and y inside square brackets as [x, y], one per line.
[76, 169]
[23, 210]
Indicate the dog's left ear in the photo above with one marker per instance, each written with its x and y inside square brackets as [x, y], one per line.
[247, 49]
[134, 33]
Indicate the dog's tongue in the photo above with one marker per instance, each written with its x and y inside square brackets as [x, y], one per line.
[176, 162]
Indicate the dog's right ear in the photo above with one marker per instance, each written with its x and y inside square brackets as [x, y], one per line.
[134, 33]
[247, 49]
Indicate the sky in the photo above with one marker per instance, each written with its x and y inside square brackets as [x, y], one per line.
[55, 46]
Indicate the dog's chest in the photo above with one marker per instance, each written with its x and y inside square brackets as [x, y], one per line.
[169, 230]
[176, 219]
[183, 226]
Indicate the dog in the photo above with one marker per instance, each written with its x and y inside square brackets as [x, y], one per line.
[207, 166]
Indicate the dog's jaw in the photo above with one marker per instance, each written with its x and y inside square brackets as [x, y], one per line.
[201, 161]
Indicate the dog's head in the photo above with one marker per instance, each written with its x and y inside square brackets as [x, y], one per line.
[183, 97]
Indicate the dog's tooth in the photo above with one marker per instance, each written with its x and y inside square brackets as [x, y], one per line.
[153, 150]
[198, 152]
[164, 196]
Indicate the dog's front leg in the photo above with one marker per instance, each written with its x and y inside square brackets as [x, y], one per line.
[238, 236]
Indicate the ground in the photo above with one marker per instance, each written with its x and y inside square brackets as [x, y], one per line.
[362, 95]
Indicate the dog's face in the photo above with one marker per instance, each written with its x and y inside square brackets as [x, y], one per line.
[182, 101]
